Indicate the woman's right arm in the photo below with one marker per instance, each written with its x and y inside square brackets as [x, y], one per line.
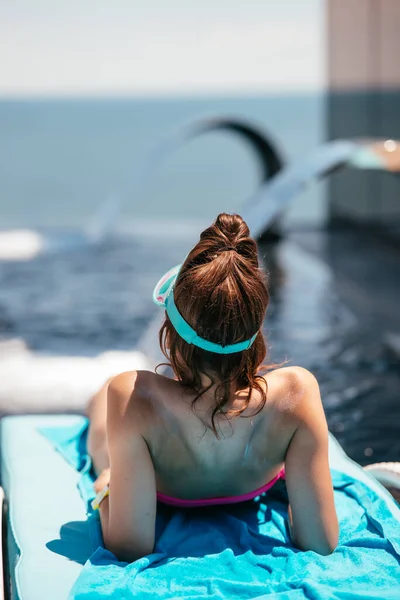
[312, 513]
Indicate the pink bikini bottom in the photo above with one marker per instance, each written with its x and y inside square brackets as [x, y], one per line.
[178, 502]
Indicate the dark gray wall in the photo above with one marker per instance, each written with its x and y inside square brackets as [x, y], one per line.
[364, 101]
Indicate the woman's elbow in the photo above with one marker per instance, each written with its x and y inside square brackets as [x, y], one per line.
[332, 538]
[127, 553]
[322, 548]
[323, 545]
[326, 549]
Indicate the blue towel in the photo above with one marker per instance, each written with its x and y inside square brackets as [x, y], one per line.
[244, 551]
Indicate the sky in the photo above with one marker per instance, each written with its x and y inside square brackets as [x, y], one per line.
[160, 47]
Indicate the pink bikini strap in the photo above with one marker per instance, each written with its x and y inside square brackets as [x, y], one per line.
[181, 503]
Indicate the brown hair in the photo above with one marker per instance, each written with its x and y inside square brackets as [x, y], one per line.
[222, 293]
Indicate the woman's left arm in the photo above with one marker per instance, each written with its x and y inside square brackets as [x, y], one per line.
[128, 514]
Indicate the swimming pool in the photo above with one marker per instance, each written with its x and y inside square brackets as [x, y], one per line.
[97, 299]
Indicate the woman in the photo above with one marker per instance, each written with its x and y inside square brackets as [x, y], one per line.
[219, 432]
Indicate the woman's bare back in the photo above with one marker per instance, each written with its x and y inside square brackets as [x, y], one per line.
[189, 461]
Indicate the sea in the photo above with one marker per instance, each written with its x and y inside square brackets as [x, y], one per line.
[60, 159]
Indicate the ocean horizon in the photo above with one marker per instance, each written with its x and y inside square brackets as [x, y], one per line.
[60, 158]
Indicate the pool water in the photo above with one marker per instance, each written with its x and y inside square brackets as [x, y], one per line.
[99, 298]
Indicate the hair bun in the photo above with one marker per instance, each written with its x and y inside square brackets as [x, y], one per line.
[227, 233]
[232, 227]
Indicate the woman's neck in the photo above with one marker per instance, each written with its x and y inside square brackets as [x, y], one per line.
[208, 382]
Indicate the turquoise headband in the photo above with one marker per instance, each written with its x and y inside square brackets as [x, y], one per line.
[163, 295]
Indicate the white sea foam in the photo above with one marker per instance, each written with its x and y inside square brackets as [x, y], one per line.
[20, 244]
[33, 382]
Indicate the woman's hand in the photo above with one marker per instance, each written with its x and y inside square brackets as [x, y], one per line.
[104, 508]
[102, 480]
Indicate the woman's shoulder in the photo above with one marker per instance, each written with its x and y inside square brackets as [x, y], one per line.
[128, 392]
[292, 376]
[292, 389]
[136, 383]
[295, 395]
[131, 381]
